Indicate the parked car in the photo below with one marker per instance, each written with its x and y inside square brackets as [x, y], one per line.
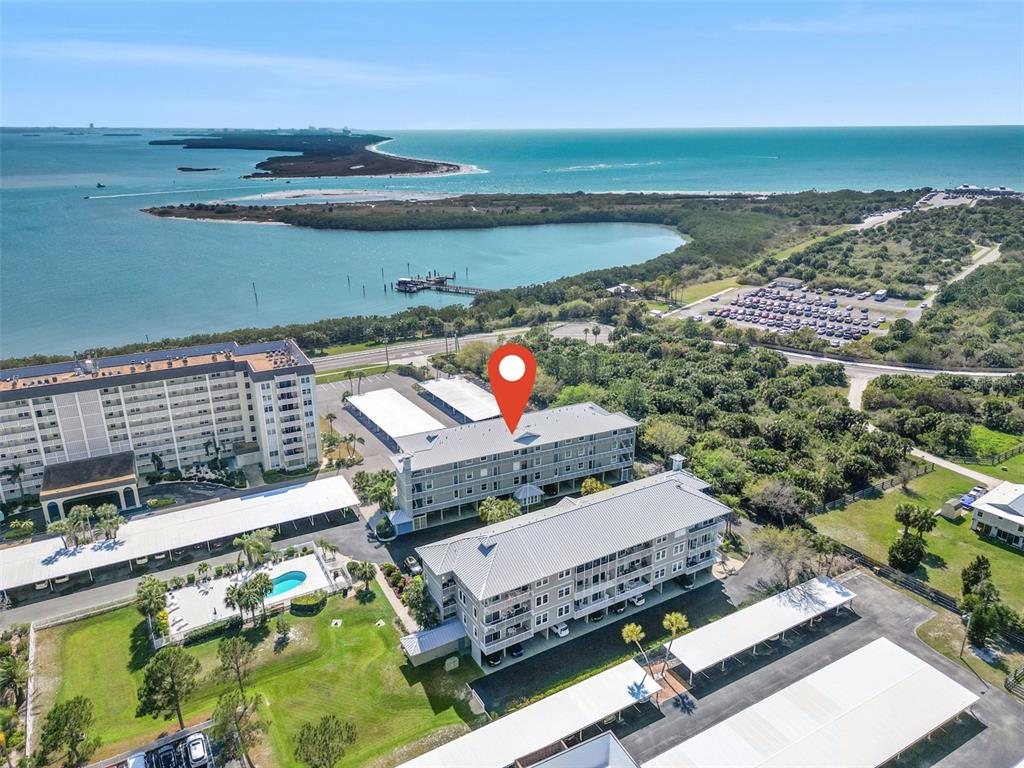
[516, 650]
[138, 760]
[595, 617]
[412, 565]
[637, 600]
[494, 659]
[197, 747]
[167, 757]
[619, 608]
[561, 629]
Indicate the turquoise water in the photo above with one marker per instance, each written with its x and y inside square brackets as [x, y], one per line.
[287, 582]
[78, 272]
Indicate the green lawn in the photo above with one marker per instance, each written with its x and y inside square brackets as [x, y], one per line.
[338, 349]
[343, 374]
[1012, 469]
[692, 293]
[988, 442]
[868, 526]
[355, 671]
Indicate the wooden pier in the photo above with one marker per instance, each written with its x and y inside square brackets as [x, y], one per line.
[439, 283]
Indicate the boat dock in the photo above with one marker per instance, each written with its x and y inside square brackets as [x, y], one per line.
[440, 283]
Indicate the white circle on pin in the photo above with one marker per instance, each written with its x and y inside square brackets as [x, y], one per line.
[512, 368]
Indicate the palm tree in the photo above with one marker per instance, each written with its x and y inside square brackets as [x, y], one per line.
[150, 598]
[108, 521]
[79, 521]
[14, 473]
[586, 335]
[676, 623]
[203, 569]
[596, 330]
[236, 599]
[261, 586]
[254, 545]
[365, 572]
[14, 677]
[62, 529]
[360, 375]
[330, 418]
[634, 633]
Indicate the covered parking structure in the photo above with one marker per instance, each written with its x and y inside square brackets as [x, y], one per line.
[858, 712]
[721, 640]
[41, 563]
[461, 398]
[390, 416]
[507, 740]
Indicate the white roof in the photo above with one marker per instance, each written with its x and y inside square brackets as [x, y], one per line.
[42, 560]
[473, 402]
[539, 725]
[602, 751]
[428, 639]
[739, 631]
[1006, 500]
[857, 712]
[394, 414]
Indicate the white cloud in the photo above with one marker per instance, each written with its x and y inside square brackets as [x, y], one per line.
[305, 69]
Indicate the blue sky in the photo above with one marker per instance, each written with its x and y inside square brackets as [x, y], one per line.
[496, 65]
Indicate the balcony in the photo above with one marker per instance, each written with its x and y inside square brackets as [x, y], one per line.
[506, 616]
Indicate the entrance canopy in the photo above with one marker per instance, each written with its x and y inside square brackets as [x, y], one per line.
[113, 473]
[546, 722]
[725, 638]
[41, 561]
[858, 712]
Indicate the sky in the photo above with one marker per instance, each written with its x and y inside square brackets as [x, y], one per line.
[510, 65]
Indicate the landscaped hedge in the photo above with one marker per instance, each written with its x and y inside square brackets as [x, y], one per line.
[309, 605]
[213, 630]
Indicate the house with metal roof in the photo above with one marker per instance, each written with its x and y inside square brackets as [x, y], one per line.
[1000, 514]
[512, 580]
[443, 474]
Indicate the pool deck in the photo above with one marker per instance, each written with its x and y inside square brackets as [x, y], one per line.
[192, 607]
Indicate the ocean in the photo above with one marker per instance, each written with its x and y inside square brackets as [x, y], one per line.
[81, 266]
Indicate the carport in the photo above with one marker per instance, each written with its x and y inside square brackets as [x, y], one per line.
[391, 416]
[547, 722]
[721, 640]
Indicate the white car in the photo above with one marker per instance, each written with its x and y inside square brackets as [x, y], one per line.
[561, 629]
[197, 747]
[637, 600]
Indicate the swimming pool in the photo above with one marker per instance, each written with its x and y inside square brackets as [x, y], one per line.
[286, 582]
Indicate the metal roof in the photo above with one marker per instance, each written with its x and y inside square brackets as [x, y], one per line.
[604, 751]
[393, 414]
[473, 402]
[143, 536]
[470, 441]
[502, 742]
[429, 639]
[857, 712]
[1006, 500]
[507, 555]
[739, 631]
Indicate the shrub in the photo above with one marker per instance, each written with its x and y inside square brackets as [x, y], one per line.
[906, 553]
[309, 605]
[290, 552]
[385, 529]
[306, 550]
[351, 566]
[395, 578]
[162, 624]
[218, 571]
[213, 630]
[176, 582]
[190, 578]
[388, 569]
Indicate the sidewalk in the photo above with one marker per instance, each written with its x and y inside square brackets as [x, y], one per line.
[987, 480]
[403, 613]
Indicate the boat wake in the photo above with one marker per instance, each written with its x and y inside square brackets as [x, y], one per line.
[163, 192]
[602, 167]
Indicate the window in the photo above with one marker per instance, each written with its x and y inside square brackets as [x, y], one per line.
[564, 610]
[542, 583]
[678, 548]
[564, 591]
[660, 573]
[661, 540]
[678, 566]
[541, 600]
[660, 555]
[565, 574]
[541, 620]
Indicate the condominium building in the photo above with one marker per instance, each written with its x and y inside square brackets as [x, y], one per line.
[1000, 514]
[510, 581]
[172, 408]
[443, 474]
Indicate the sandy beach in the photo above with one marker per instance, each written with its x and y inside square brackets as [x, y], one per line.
[351, 195]
[462, 167]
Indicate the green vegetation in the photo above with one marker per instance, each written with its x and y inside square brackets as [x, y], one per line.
[355, 670]
[950, 415]
[344, 374]
[870, 526]
[1011, 469]
[692, 293]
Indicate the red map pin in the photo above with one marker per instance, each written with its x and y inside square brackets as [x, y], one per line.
[513, 371]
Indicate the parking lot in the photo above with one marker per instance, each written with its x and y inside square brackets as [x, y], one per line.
[190, 748]
[837, 315]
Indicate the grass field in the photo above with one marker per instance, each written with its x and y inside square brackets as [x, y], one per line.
[354, 671]
[339, 349]
[785, 254]
[692, 293]
[988, 442]
[1014, 469]
[342, 374]
[868, 525]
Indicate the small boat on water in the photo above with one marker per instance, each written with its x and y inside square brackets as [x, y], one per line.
[100, 186]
